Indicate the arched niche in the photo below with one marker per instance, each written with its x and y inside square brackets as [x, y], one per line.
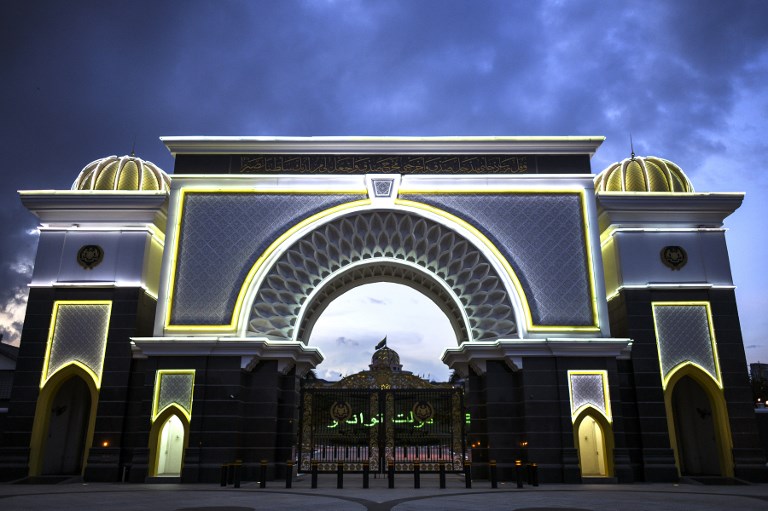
[593, 439]
[166, 451]
[697, 418]
[65, 418]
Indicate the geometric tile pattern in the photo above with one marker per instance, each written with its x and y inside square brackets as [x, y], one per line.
[173, 387]
[683, 334]
[220, 238]
[382, 187]
[398, 235]
[589, 389]
[79, 334]
[542, 237]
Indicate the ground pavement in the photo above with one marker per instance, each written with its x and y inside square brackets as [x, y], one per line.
[249, 497]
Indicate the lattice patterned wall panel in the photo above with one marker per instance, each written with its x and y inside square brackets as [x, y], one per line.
[684, 333]
[543, 237]
[589, 388]
[221, 236]
[173, 387]
[77, 335]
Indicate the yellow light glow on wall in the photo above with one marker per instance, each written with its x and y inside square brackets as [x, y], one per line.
[579, 402]
[77, 336]
[595, 327]
[173, 388]
[232, 326]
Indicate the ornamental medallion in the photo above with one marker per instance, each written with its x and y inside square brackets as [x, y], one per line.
[674, 257]
[89, 256]
[341, 411]
[423, 411]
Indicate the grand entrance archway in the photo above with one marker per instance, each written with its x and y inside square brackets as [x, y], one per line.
[382, 417]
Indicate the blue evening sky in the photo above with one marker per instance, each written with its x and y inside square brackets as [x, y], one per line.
[688, 78]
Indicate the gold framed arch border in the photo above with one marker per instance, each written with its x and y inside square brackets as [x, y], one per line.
[268, 257]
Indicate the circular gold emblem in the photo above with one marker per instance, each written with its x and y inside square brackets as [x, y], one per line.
[341, 411]
[423, 411]
[674, 257]
[89, 256]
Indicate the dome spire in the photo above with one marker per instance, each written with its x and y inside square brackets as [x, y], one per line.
[631, 147]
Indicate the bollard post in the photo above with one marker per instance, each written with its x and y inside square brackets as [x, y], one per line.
[416, 474]
[237, 469]
[391, 474]
[223, 475]
[442, 475]
[467, 474]
[340, 475]
[535, 481]
[314, 474]
[288, 473]
[263, 474]
[519, 473]
[492, 470]
[366, 473]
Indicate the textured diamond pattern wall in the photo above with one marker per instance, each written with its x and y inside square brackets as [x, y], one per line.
[221, 236]
[79, 334]
[542, 236]
[365, 235]
[176, 389]
[588, 389]
[683, 334]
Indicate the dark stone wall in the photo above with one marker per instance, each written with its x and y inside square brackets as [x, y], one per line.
[495, 403]
[642, 399]
[237, 415]
[132, 315]
[525, 415]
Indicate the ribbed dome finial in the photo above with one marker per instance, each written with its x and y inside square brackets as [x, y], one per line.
[124, 173]
[643, 174]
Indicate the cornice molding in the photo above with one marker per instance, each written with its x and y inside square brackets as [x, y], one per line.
[251, 350]
[664, 209]
[78, 207]
[382, 145]
[475, 355]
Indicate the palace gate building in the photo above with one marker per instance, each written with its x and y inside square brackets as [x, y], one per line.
[596, 328]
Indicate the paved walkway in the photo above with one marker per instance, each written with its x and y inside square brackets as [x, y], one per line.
[199, 497]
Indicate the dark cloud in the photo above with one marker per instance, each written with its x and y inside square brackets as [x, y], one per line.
[343, 341]
[85, 80]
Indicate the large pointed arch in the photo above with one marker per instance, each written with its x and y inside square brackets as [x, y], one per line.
[43, 410]
[714, 393]
[162, 418]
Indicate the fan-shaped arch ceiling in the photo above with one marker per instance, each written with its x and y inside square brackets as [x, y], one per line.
[322, 254]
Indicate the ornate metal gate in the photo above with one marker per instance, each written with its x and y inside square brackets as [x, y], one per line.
[382, 416]
[397, 426]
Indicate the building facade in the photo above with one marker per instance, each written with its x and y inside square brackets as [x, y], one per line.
[595, 318]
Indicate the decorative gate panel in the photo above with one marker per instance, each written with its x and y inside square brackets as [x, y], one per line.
[382, 426]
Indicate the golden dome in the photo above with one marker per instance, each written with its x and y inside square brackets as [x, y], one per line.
[386, 358]
[643, 174]
[125, 173]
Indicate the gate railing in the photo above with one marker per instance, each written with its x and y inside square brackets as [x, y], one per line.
[382, 426]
